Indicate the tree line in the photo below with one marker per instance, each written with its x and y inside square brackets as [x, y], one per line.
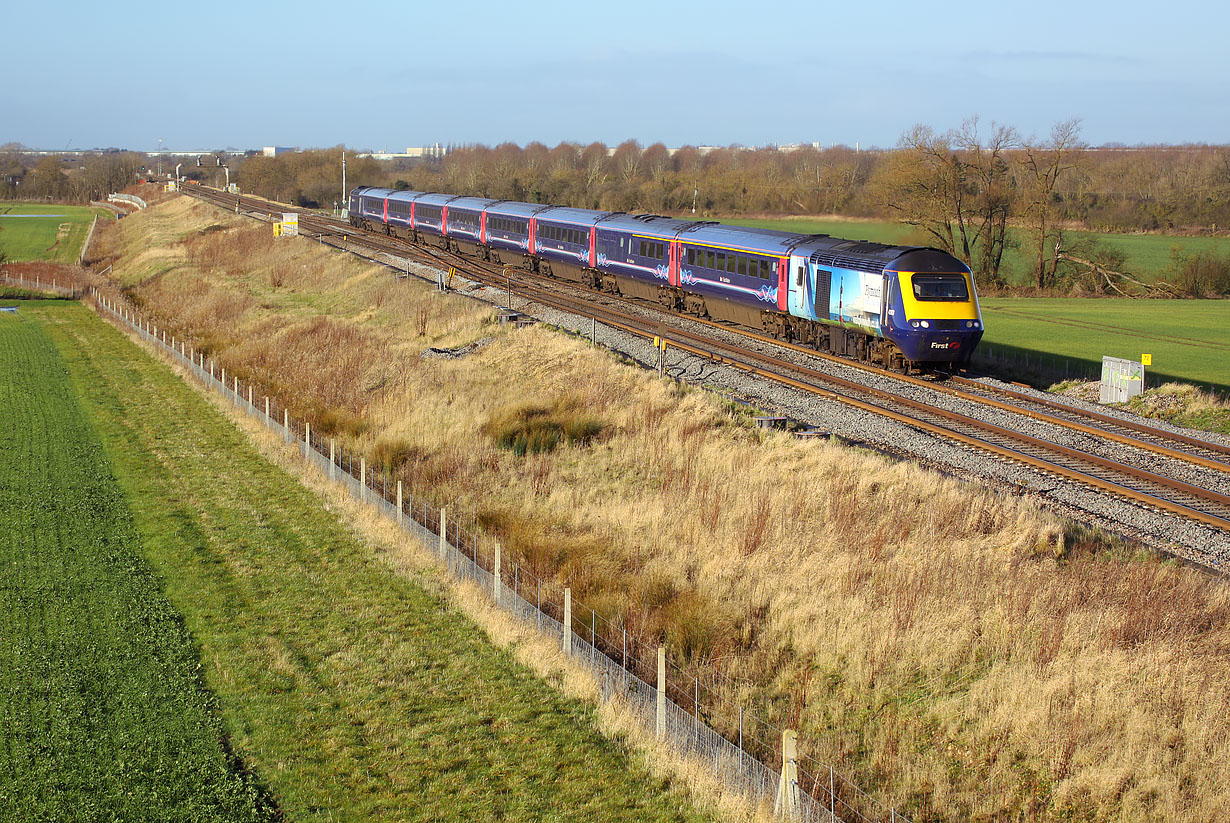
[974, 191]
[90, 177]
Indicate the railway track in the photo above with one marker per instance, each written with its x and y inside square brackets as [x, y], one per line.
[1161, 487]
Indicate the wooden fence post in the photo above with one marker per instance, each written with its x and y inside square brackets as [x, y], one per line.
[495, 576]
[787, 805]
[443, 532]
[661, 726]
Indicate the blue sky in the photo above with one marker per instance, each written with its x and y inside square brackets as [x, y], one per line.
[91, 74]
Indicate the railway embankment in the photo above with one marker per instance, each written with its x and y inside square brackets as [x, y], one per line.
[959, 650]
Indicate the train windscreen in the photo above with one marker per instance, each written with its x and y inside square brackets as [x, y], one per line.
[939, 287]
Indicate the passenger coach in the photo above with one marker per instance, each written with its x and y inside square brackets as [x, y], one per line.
[900, 306]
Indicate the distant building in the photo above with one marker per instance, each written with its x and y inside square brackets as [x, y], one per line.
[274, 151]
[432, 152]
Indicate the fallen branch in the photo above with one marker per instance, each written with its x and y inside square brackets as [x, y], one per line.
[1108, 275]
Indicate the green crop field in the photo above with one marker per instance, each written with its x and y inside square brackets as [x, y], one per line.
[349, 689]
[45, 232]
[105, 714]
[1189, 339]
[1147, 255]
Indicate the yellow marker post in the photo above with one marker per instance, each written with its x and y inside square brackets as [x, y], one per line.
[1146, 360]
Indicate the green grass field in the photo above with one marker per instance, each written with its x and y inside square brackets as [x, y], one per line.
[45, 232]
[1189, 339]
[349, 689]
[1147, 255]
[105, 713]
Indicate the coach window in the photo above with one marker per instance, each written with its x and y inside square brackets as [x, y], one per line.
[721, 261]
[742, 269]
[709, 260]
[691, 257]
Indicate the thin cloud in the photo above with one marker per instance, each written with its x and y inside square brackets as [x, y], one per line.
[1051, 56]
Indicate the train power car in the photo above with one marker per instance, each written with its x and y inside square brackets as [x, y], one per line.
[903, 307]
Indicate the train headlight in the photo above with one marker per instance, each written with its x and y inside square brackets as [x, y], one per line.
[914, 323]
[925, 324]
[969, 324]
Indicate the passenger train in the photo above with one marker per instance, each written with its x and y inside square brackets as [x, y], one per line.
[902, 307]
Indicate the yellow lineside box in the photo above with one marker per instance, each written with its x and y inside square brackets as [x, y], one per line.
[277, 229]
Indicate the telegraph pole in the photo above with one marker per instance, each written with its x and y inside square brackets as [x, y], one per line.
[345, 194]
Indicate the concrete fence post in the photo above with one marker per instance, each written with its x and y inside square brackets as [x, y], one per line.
[235, 393]
[211, 368]
[250, 406]
[567, 643]
[661, 725]
[267, 416]
[223, 379]
[443, 532]
[399, 509]
[307, 440]
[332, 459]
[787, 805]
[495, 576]
[363, 479]
[286, 424]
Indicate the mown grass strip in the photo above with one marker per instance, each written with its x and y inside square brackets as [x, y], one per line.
[1189, 339]
[104, 714]
[45, 232]
[353, 691]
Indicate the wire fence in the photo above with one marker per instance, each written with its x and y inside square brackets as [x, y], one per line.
[63, 288]
[683, 711]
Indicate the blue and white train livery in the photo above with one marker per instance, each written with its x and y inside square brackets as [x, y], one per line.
[900, 306]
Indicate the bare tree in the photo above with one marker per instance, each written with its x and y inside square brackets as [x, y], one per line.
[957, 188]
[1043, 166]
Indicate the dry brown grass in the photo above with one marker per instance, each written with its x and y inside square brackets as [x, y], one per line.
[948, 646]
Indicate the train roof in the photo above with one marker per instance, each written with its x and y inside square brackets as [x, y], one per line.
[434, 199]
[405, 195]
[927, 260]
[650, 225]
[472, 203]
[768, 241]
[863, 255]
[571, 216]
[514, 208]
[372, 191]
